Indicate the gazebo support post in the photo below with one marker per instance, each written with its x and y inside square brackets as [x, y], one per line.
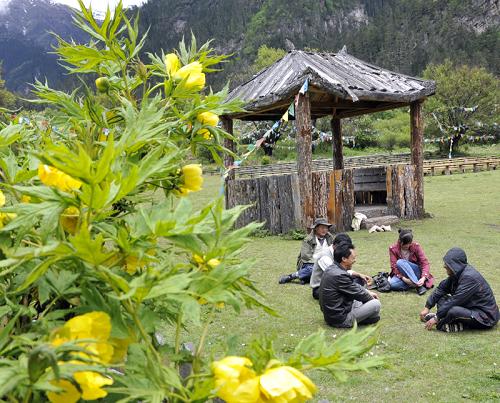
[338, 155]
[227, 125]
[304, 159]
[417, 153]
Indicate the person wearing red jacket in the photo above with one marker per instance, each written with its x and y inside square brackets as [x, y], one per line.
[409, 265]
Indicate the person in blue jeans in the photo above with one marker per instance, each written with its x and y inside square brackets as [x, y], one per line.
[410, 268]
[318, 240]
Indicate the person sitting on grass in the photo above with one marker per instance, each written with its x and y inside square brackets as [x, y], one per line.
[409, 265]
[319, 239]
[324, 259]
[341, 299]
[464, 299]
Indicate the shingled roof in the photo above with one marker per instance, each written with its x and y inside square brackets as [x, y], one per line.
[337, 81]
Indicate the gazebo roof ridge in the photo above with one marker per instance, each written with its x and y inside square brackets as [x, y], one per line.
[338, 76]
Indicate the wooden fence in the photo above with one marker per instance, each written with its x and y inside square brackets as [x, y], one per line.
[431, 166]
[275, 199]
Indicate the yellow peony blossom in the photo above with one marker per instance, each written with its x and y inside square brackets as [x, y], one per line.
[192, 73]
[286, 384]
[235, 380]
[69, 219]
[91, 384]
[5, 217]
[192, 179]
[70, 393]
[93, 325]
[213, 263]
[208, 119]
[172, 63]
[2, 199]
[53, 177]
[132, 263]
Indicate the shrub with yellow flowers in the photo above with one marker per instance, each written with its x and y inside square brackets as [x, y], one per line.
[97, 231]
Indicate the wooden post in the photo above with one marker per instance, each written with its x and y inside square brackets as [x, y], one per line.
[338, 155]
[304, 157]
[227, 125]
[417, 153]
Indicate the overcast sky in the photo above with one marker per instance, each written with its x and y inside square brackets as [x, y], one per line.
[97, 5]
[100, 5]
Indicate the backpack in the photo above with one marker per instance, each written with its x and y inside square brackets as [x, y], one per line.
[381, 282]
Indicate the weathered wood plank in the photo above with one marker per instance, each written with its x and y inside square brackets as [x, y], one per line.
[338, 154]
[304, 157]
[417, 153]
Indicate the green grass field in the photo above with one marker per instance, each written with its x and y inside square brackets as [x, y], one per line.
[424, 366]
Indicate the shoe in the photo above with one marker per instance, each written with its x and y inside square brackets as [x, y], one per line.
[370, 321]
[453, 327]
[287, 279]
[386, 228]
[421, 290]
[429, 316]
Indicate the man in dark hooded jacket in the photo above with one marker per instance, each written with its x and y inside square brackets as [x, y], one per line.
[464, 299]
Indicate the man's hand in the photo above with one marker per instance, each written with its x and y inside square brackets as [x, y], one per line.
[373, 294]
[430, 323]
[367, 279]
[421, 282]
[424, 312]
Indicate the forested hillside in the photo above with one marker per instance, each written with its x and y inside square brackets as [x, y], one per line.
[403, 35]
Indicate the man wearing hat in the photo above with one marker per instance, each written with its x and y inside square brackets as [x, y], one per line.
[317, 241]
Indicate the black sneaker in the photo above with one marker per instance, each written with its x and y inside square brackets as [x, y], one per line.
[429, 316]
[421, 290]
[286, 279]
[453, 327]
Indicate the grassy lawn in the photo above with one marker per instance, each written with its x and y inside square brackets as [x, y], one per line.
[424, 366]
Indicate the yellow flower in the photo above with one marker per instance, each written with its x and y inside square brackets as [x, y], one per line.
[235, 380]
[25, 199]
[132, 263]
[286, 384]
[69, 219]
[192, 73]
[91, 384]
[70, 393]
[192, 179]
[172, 63]
[2, 199]
[198, 259]
[213, 263]
[93, 325]
[5, 217]
[51, 176]
[209, 119]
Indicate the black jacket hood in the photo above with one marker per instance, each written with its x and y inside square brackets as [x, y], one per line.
[456, 260]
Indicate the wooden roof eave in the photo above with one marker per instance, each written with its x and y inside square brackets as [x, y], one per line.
[280, 99]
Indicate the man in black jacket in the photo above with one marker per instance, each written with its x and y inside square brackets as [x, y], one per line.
[342, 300]
[464, 299]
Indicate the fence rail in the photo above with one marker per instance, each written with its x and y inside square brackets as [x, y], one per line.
[431, 166]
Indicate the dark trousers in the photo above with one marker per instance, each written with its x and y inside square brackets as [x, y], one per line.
[459, 314]
[316, 292]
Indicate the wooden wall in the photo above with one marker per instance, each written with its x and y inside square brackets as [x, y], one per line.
[275, 199]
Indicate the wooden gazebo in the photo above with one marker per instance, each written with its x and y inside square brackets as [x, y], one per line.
[340, 86]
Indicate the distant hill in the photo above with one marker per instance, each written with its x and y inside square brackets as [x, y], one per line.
[402, 35]
[25, 41]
